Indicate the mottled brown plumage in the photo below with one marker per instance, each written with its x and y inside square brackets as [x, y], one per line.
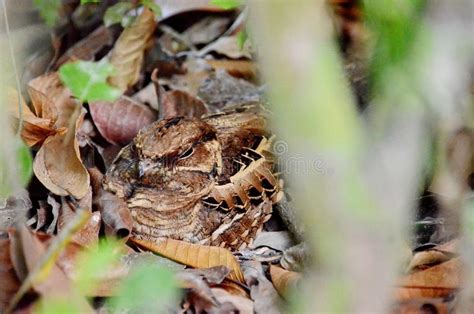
[206, 181]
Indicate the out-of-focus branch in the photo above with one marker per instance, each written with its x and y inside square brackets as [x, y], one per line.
[355, 217]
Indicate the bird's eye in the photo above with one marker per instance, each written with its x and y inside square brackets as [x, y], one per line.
[187, 153]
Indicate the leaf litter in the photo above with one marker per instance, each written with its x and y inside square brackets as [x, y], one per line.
[73, 216]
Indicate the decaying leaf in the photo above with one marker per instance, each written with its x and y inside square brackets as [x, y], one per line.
[180, 103]
[284, 280]
[222, 89]
[119, 121]
[86, 48]
[195, 255]
[10, 282]
[206, 30]
[262, 292]
[128, 52]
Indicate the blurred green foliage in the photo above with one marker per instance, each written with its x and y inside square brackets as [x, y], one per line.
[88, 80]
[117, 14]
[227, 4]
[24, 168]
[48, 10]
[148, 288]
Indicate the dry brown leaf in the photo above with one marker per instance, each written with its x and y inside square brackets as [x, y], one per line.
[180, 103]
[283, 280]
[244, 69]
[86, 48]
[434, 282]
[195, 255]
[59, 167]
[129, 49]
[10, 282]
[119, 121]
[207, 29]
[36, 127]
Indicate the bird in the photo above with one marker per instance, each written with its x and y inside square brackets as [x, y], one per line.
[207, 180]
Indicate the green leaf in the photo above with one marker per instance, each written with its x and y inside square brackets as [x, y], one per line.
[91, 264]
[116, 13]
[146, 289]
[56, 305]
[155, 8]
[227, 4]
[48, 10]
[25, 163]
[88, 80]
[22, 172]
[89, 1]
[242, 38]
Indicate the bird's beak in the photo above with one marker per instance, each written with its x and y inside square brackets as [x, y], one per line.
[146, 166]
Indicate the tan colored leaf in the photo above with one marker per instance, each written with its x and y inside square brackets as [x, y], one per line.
[436, 281]
[119, 121]
[427, 259]
[244, 69]
[59, 167]
[195, 255]
[284, 280]
[127, 54]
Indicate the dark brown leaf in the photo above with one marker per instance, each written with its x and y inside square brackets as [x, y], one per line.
[10, 282]
[119, 121]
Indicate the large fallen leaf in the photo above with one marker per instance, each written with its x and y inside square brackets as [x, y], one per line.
[128, 52]
[437, 281]
[283, 280]
[194, 255]
[119, 121]
[64, 173]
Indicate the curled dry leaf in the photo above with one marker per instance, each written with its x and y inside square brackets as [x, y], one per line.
[240, 304]
[229, 47]
[434, 282]
[194, 255]
[283, 280]
[128, 52]
[36, 126]
[10, 281]
[244, 69]
[425, 259]
[262, 292]
[114, 211]
[64, 174]
[180, 103]
[119, 121]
